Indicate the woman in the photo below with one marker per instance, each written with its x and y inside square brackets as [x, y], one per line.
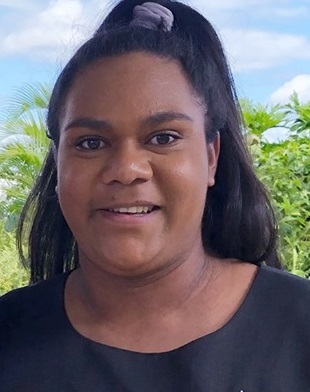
[148, 228]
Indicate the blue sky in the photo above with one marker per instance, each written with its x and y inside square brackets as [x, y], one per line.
[267, 41]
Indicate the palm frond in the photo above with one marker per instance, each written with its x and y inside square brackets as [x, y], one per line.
[25, 99]
[23, 144]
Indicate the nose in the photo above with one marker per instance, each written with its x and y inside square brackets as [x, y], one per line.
[127, 164]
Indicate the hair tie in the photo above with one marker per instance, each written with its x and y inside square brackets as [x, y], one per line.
[152, 16]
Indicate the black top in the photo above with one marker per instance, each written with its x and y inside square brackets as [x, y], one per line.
[265, 347]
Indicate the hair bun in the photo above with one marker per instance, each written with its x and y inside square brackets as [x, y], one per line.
[152, 16]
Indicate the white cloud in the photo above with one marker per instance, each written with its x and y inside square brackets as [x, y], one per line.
[15, 3]
[55, 31]
[293, 12]
[276, 135]
[46, 31]
[233, 4]
[300, 84]
[255, 50]
[252, 49]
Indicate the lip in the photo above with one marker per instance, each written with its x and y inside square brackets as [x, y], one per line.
[138, 203]
[128, 219]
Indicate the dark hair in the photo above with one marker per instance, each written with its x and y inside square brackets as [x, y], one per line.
[238, 220]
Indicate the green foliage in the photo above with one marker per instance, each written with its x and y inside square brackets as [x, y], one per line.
[12, 273]
[285, 170]
[23, 146]
[298, 116]
[258, 118]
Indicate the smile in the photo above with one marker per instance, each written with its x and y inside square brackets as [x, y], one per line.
[131, 215]
[133, 210]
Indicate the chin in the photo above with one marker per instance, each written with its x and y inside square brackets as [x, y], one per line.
[124, 264]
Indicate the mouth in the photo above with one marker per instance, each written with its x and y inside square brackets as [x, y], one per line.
[133, 210]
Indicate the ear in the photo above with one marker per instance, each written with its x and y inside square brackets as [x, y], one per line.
[213, 150]
[54, 151]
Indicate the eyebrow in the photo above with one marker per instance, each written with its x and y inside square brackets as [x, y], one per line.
[88, 122]
[152, 120]
[160, 117]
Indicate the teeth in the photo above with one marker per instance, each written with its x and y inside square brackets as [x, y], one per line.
[132, 210]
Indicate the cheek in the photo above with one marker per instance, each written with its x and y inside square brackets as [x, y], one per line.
[185, 184]
[74, 186]
[191, 171]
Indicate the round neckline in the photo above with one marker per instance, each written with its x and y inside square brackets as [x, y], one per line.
[208, 337]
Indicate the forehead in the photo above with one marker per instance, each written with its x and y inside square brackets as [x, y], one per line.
[135, 83]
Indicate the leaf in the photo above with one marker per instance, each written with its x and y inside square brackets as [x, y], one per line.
[23, 145]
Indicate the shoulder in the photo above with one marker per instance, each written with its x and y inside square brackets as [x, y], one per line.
[27, 302]
[284, 294]
[280, 280]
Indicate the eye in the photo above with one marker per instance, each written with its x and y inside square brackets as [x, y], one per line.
[90, 143]
[164, 138]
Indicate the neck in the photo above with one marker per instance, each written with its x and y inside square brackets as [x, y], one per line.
[161, 311]
[120, 300]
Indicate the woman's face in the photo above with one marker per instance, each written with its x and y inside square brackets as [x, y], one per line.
[133, 164]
